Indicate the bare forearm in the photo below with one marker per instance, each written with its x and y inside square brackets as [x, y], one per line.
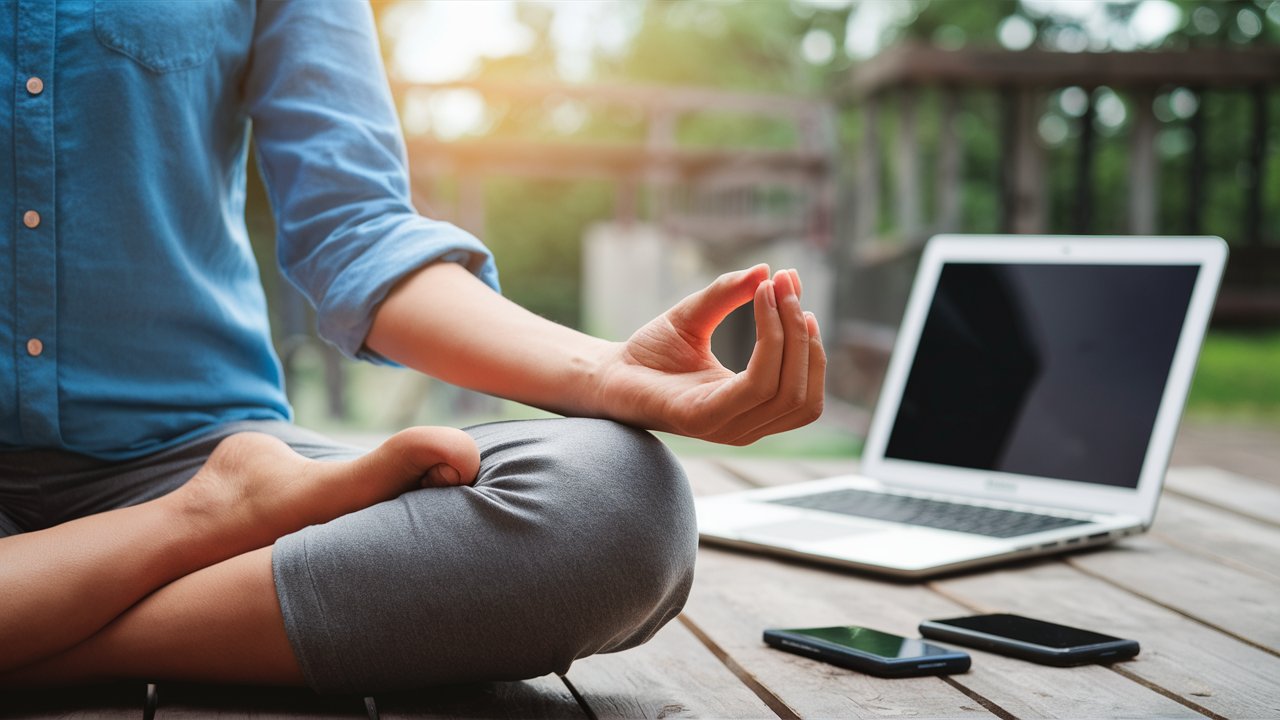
[444, 322]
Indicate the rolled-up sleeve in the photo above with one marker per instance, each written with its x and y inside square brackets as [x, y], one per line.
[332, 156]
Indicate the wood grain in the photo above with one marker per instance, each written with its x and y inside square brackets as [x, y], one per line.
[1217, 594]
[672, 676]
[1239, 494]
[1019, 688]
[736, 596]
[1219, 535]
[1180, 656]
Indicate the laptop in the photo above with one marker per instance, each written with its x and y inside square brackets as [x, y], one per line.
[1029, 407]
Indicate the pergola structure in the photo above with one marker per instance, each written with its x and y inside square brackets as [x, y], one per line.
[725, 195]
[896, 79]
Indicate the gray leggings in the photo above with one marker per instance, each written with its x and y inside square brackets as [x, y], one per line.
[577, 538]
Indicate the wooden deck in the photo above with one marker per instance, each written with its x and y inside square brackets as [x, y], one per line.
[1201, 592]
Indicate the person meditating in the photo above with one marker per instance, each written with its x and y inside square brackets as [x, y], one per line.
[160, 516]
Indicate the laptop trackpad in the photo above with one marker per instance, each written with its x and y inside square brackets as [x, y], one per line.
[803, 531]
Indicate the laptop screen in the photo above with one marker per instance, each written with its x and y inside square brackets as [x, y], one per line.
[1049, 370]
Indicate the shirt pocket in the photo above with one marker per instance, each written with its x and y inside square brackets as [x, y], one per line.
[161, 36]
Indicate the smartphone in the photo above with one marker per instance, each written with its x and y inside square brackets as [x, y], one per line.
[869, 651]
[1035, 640]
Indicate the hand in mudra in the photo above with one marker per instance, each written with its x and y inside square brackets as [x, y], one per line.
[666, 378]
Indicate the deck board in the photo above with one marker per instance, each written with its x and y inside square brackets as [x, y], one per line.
[1242, 495]
[1018, 688]
[672, 676]
[1179, 655]
[737, 595]
[1218, 535]
[1198, 592]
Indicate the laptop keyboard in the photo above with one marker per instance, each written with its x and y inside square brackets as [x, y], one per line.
[992, 522]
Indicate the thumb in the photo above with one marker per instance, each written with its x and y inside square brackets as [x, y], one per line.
[700, 313]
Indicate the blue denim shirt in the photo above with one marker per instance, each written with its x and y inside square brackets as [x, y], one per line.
[131, 313]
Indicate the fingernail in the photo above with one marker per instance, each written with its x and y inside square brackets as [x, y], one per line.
[443, 474]
[768, 294]
[795, 280]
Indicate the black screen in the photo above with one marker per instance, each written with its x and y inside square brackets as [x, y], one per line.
[1045, 370]
[1038, 632]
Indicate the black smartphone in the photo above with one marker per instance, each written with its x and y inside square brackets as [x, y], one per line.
[1028, 639]
[869, 651]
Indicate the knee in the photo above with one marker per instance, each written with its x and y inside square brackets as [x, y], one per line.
[646, 530]
[628, 534]
[578, 537]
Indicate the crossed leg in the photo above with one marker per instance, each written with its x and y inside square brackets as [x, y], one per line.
[60, 587]
[578, 537]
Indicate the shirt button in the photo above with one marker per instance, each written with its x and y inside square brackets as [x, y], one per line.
[31, 219]
[35, 85]
[35, 347]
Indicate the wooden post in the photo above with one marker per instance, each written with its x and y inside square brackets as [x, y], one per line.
[867, 194]
[907, 159]
[1082, 213]
[1196, 168]
[1144, 165]
[950, 163]
[660, 141]
[626, 201]
[1008, 149]
[1257, 168]
[1022, 167]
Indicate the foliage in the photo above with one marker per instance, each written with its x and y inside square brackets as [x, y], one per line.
[535, 226]
[1237, 378]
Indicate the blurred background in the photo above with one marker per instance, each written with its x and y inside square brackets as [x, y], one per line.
[617, 155]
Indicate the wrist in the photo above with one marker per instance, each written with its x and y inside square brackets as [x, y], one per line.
[590, 375]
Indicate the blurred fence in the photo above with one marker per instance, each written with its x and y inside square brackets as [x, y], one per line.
[933, 141]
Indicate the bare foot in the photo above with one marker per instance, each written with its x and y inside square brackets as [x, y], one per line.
[258, 488]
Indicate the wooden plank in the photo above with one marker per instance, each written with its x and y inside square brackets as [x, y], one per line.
[1219, 595]
[1026, 192]
[1015, 687]
[736, 596]
[1255, 179]
[1229, 491]
[543, 697]
[746, 594]
[1197, 168]
[1194, 663]
[1220, 535]
[915, 63]
[950, 163]
[1144, 165]
[906, 146]
[108, 702]
[866, 200]
[1082, 215]
[673, 675]
[176, 700]
[1250, 451]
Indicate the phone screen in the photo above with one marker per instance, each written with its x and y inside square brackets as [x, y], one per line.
[874, 642]
[1037, 632]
